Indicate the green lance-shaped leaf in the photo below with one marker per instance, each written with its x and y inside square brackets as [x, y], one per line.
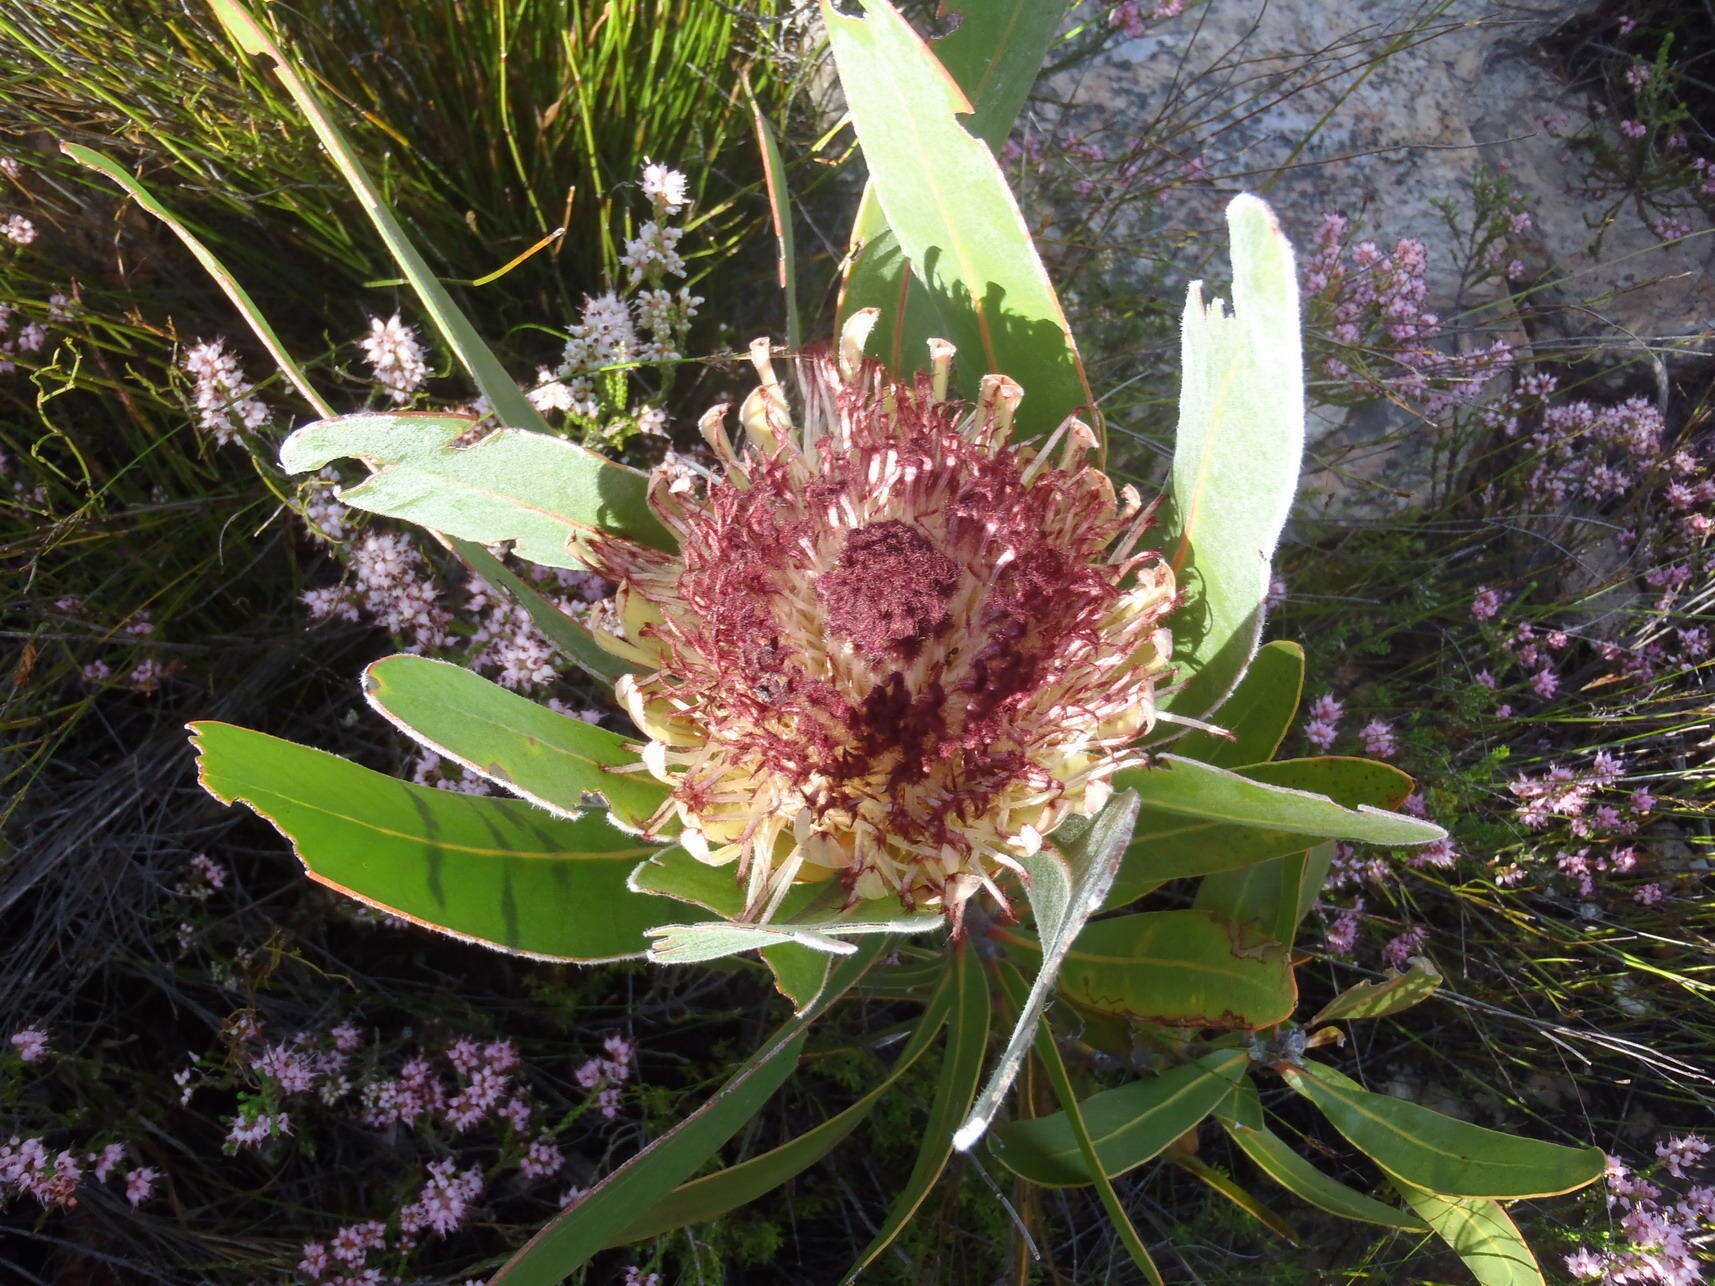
[726, 1190]
[798, 970]
[1378, 999]
[630, 1192]
[961, 1070]
[541, 492]
[1257, 716]
[796, 928]
[993, 54]
[946, 201]
[696, 943]
[1128, 1125]
[1277, 894]
[1172, 842]
[1260, 796]
[780, 206]
[1241, 1117]
[1441, 1153]
[1064, 892]
[1481, 1233]
[546, 757]
[1182, 969]
[496, 871]
[1236, 456]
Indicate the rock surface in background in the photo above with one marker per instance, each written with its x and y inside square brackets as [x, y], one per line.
[1386, 110]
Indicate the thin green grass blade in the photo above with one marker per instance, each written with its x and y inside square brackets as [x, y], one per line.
[780, 206]
[240, 297]
[726, 1190]
[1064, 893]
[569, 1241]
[1048, 1053]
[509, 403]
[1255, 1207]
[961, 1072]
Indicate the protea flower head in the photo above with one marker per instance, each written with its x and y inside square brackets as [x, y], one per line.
[894, 647]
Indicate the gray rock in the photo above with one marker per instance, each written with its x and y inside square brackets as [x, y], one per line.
[1390, 110]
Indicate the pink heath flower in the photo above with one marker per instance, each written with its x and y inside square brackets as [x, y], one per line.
[1437, 853]
[140, 1184]
[1485, 603]
[396, 357]
[1649, 895]
[104, 1161]
[1342, 934]
[1378, 739]
[666, 188]
[1682, 1152]
[353, 1243]
[1320, 733]
[17, 229]
[1400, 950]
[542, 1159]
[1327, 708]
[30, 1044]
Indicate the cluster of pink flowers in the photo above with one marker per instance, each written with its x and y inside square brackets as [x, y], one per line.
[1373, 301]
[1131, 16]
[398, 363]
[28, 1170]
[144, 676]
[1661, 1234]
[224, 399]
[30, 1044]
[27, 337]
[445, 1201]
[607, 1075]
[17, 229]
[253, 1129]
[1322, 728]
[506, 643]
[442, 1095]
[1323, 724]
[1595, 815]
[391, 584]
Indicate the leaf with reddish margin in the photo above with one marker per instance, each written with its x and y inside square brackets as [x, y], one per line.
[499, 872]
